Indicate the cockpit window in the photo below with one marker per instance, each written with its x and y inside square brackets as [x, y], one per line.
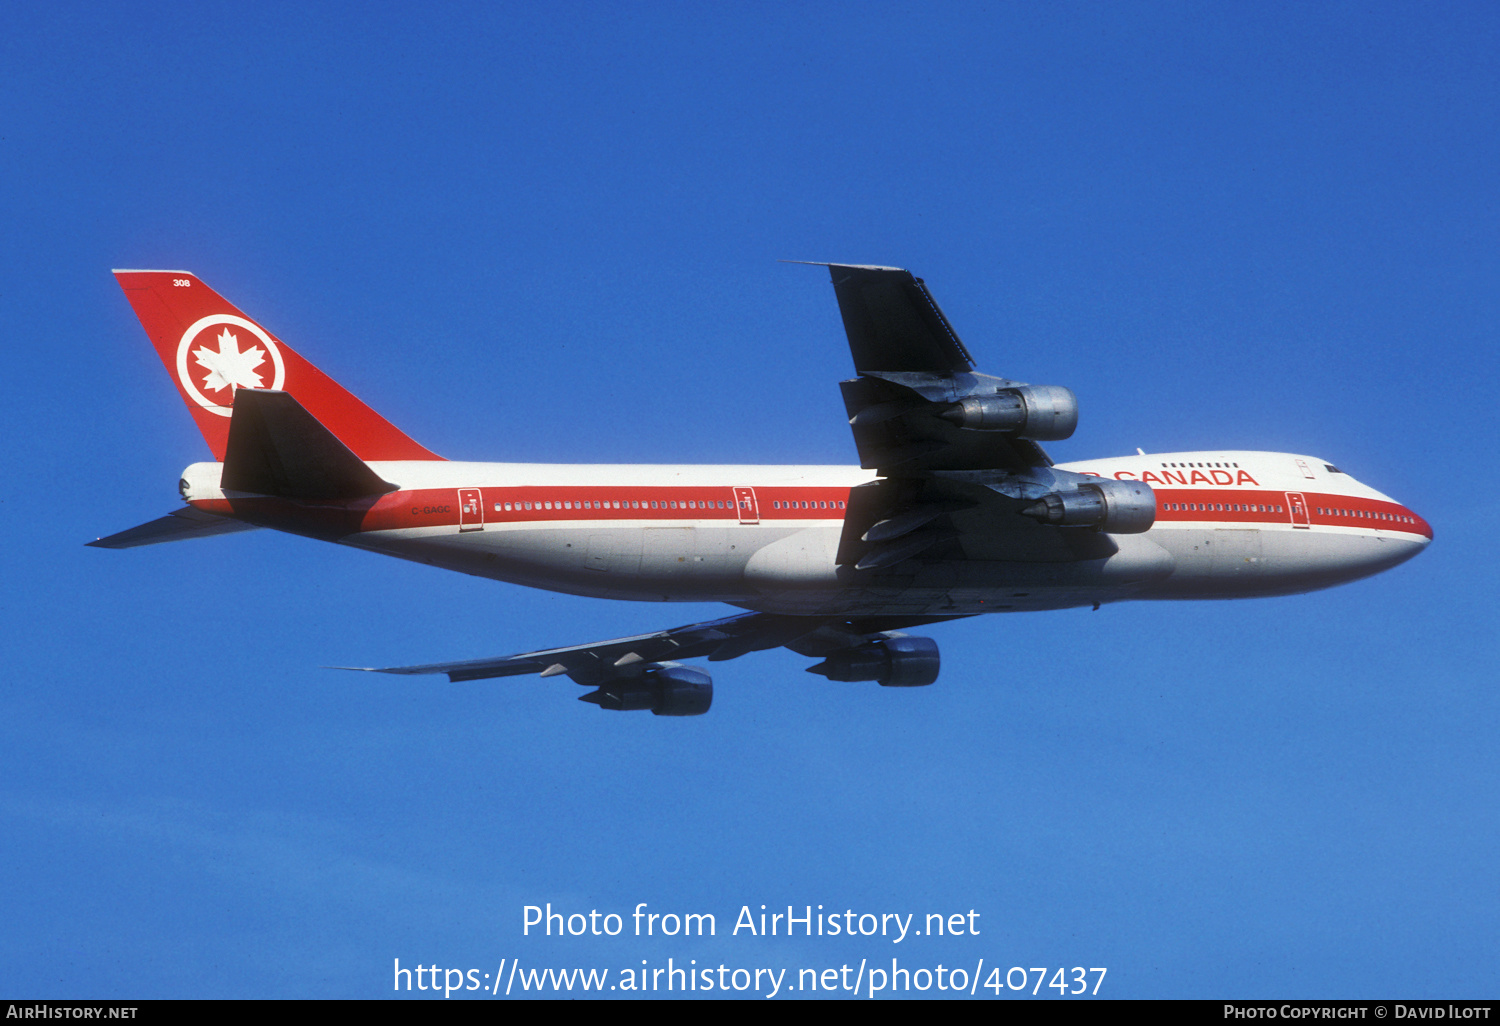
[1332, 469]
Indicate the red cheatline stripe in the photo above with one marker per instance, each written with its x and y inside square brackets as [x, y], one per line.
[1266, 507]
[438, 507]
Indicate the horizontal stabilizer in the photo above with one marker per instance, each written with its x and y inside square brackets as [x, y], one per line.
[175, 526]
[277, 448]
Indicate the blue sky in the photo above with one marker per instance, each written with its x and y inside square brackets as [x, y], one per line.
[550, 234]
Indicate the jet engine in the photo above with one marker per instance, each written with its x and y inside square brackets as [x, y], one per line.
[665, 689]
[894, 662]
[1115, 507]
[1046, 413]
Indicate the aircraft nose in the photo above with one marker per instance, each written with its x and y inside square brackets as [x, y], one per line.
[1413, 534]
[1413, 526]
[1422, 525]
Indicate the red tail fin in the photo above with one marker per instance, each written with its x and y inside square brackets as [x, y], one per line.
[211, 350]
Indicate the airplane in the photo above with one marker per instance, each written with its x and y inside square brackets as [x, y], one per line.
[954, 510]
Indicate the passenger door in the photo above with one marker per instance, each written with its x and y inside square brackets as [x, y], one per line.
[1297, 506]
[744, 498]
[470, 510]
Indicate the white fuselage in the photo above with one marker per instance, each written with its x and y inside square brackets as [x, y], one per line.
[1228, 525]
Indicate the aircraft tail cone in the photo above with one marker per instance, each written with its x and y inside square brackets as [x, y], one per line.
[1039, 510]
[593, 697]
[821, 669]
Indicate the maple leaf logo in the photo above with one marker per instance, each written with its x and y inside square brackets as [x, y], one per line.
[229, 367]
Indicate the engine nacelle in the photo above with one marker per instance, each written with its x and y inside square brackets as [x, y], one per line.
[894, 662]
[665, 690]
[1115, 507]
[1047, 413]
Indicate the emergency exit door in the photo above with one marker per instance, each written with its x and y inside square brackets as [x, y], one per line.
[470, 510]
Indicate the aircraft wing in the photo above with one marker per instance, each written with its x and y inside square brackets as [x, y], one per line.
[912, 370]
[955, 449]
[893, 322]
[715, 640]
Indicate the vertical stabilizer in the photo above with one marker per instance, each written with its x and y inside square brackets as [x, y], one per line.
[212, 350]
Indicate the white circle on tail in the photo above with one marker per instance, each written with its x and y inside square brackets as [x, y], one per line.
[221, 354]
